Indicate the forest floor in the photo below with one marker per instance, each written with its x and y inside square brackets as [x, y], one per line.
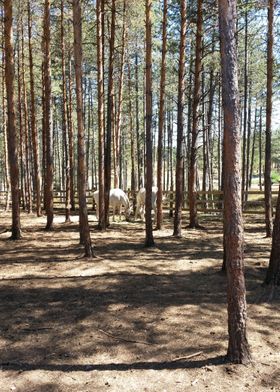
[132, 319]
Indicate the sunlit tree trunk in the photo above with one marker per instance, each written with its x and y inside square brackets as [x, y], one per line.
[238, 348]
[267, 168]
[100, 32]
[161, 116]
[48, 117]
[81, 175]
[64, 118]
[110, 115]
[149, 112]
[195, 119]
[117, 129]
[34, 133]
[180, 126]
[11, 127]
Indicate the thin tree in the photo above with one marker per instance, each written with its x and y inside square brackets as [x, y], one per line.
[34, 132]
[267, 165]
[195, 120]
[149, 112]
[110, 115]
[81, 175]
[100, 31]
[117, 128]
[64, 118]
[48, 116]
[180, 125]
[161, 116]
[238, 348]
[11, 126]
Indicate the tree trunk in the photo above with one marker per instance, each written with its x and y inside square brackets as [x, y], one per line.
[100, 32]
[244, 147]
[267, 168]
[196, 98]
[180, 126]
[161, 116]
[149, 112]
[81, 175]
[119, 106]
[110, 115]
[238, 348]
[34, 133]
[48, 119]
[64, 118]
[70, 135]
[11, 127]
[132, 142]
[26, 128]
[260, 150]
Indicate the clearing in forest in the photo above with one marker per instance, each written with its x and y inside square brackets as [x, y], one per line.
[133, 319]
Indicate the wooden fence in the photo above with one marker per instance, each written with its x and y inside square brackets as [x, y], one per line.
[207, 202]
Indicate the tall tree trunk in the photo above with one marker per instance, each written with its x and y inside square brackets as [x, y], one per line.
[11, 127]
[238, 348]
[34, 133]
[180, 125]
[70, 134]
[161, 116]
[260, 150]
[267, 168]
[149, 113]
[138, 136]
[244, 147]
[196, 98]
[117, 128]
[64, 118]
[81, 175]
[132, 141]
[48, 117]
[110, 115]
[100, 32]
[253, 149]
[26, 128]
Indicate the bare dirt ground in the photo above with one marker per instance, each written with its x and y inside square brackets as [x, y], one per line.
[131, 319]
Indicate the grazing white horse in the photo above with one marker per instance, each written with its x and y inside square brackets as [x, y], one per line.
[140, 202]
[117, 199]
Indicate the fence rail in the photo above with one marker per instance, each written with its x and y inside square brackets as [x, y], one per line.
[207, 201]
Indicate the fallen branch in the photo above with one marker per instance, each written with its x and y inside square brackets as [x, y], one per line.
[187, 357]
[123, 339]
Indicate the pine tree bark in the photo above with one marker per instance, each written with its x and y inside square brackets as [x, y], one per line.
[260, 150]
[180, 125]
[149, 112]
[81, 174]
[48, 117]
[70, 134]
[26, 132]
[110, 115]
[64, 118]
[161, 116]
[132, 141]
[34, 132]
[11, 126]
[238, 348]
[267, 167]
[195, 120]
[117, 129]
[100, 33]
